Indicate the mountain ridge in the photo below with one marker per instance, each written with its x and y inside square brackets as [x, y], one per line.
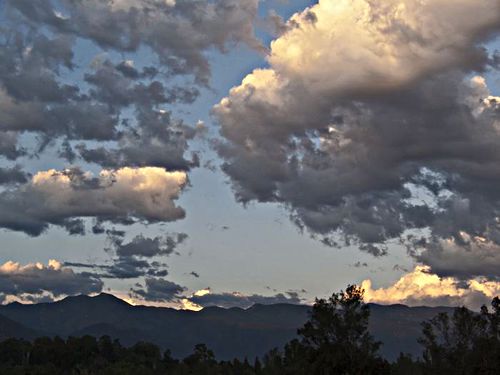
[231, 333]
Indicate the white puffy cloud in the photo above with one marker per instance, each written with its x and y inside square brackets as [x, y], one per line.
[339, 45]
[146, 193]
[124, 195]
[420, 287]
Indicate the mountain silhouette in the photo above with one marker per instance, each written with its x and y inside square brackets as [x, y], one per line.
[231, 333]
[10, 328]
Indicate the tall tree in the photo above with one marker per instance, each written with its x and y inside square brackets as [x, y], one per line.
[336, 340]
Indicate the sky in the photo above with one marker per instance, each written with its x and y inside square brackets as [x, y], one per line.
[192, 153]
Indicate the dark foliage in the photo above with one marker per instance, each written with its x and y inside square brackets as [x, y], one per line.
[464, 343]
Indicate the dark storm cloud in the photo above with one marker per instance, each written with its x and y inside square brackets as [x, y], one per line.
[362, 153]
[228, 300]
[158, 290]
[38, 279]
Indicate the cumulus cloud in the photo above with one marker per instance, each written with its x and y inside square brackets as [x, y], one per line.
[367, 124]
[351, 45]
[206, 298]
[420, 287]
[33, 282]
[60, 197]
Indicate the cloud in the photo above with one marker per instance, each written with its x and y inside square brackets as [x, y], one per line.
[420, 287]
[149, 247]
[351, 45]
[36, 281]
[470, 258]
[107, 110]
[367, 124]
[12, 175]
[133, 259]
[158, 290]
[125, 195]
[206, 298]
[9, 147]
[33, 100]
[177, 32]
[130, 267]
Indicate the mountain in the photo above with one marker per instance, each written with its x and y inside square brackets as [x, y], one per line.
[9, 328]
[230, 333]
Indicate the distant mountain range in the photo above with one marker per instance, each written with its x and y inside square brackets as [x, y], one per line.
[229, 333]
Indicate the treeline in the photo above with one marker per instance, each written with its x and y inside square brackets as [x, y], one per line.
[334, 341]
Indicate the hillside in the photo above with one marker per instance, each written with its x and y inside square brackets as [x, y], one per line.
[229, 332]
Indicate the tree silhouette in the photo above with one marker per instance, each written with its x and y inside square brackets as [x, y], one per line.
[336, 340]
[465, 343]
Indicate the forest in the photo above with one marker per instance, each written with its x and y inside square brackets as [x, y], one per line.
[335, 340]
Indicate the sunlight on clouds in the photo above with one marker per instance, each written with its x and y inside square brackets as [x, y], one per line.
[144, 192]
[188, 305]
[420, 287]
[201, 293]
[347, 43]
[11, 267]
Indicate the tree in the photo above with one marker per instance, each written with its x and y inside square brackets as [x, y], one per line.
[336, 340]
[465, 343]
